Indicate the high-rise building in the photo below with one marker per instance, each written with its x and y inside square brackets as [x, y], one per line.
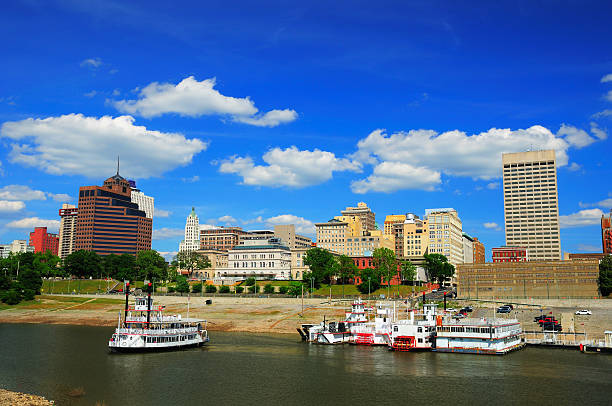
[606, 233]
[68, 214]
[42, 241]
[16, 247]
[479, 251]
[365, 215]
[415, 241]
[391, 221]
[509, 254]
[192, 233]
[286, 232]
[108, 222]
[531, 203]
[468, 249]
[445, 234]
[220, 238]
[144, 202]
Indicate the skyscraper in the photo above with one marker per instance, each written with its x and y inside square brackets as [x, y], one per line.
[68, 214]
[108, 222]
[144, 202]
[192, 233]
[445, 234]
[531, 204]
[606, 233]
[42, 241]
[364, 214]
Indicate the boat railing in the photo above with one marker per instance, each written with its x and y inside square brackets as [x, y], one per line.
[186, 330]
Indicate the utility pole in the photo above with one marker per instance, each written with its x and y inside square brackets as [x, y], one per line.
[302, 300]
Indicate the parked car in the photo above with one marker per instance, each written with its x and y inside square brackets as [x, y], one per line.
[548, 320]
[584, 312]
[510, 306]
[503, 309]
[468, 309]
[451, 309]
[552, 327]
[459, 316]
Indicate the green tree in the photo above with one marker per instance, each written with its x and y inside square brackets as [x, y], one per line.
[409, 272]
[283, 290]
[321, 264]
[370, 280]
[250, 281]
[211, 289]
[345, 269]
[192, 261]
[239, 289]
[151, 265]
[224, 289]
[83, 264]
[10, 297]
[182, 286]
[30, 280]
[295, 289]
[268, 288]
[386, 265]
[196, 288]
[605, 275]
[438, 268]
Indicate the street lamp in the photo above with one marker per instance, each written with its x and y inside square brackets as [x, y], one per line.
[369, 287]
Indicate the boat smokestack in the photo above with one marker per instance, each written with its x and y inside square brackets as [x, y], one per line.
[444, 301]
[127, 294]
[149, 306]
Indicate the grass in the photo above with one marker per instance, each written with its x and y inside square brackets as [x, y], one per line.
[57, 302]
[351, 290]
[76, 286]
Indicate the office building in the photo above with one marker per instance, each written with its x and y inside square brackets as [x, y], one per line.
[606, 233]
[364, 214]
[531, 203]
[144, 202]
[68, 218]
[479, 251]
[16, 247]
[509, 254]
[286, 232]
[445, 234]
[191, 242]
[468, 249]
[261, 259]
[42, 241]
[220, 238]
[108, 222]
[574, 279]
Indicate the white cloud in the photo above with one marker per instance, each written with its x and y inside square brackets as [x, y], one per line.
[90, 94]
[598, 132]
[582, 218]
[589, 248]
[60, 197]
[116, 92]
[227, 219]
[574, 167]
[165, 233]
[31, 222]
[168, 255]
[302, 225]
[208, 227]
[607, 78]
[609, 95]
[391, 176]
[194, 99]
[91, 63]
[607, 203]
[11, 206]
[456, 153]
[161, 213]
[575, 136]
[605, 113]
[289, 167]
[493, 185]
[21, 192]
[492, 225]
[76, 144]
[192, 179]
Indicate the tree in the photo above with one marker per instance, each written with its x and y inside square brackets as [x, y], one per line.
[295, 289]
[321, 264]
[370, 280]
[408, 273]
[268, 288]
[182, 286]
[211, 289]
[83, 264]
[224, 289]
[345, 268]
[438, 268]
[196, 288]
[386, 264]
[239, 289]
[250, 281]
[605, 275]
[192, 261]
[151, 265]
[30, 280]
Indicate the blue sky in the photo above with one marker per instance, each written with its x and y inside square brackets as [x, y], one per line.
[260, 113]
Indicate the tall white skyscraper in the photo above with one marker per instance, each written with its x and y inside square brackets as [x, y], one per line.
[530, 203]
[192, 233]
[68, 214]
[144, 202]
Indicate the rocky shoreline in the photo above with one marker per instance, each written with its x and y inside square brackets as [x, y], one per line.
[10, 398]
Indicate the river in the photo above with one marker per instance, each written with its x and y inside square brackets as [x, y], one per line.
[238, 368]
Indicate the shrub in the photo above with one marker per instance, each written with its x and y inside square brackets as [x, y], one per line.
[224, 289]
[364, 288]
[197, 288]
[182, 285]
[211, 289]
[295, 289]
[252, 289]
[28, 294]
[11, 297]
[283, 290]
[239, 289]
[171, 289]
[249, 281]
[268, 288]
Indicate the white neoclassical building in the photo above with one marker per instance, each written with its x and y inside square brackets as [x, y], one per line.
[259, 258]
[192, 233]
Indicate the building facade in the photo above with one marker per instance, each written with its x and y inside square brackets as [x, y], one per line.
[531, 203]
[218, 260]
[509, 254]
[298, 268]
[527, 280]
[332, 235]
[16, 247]
[144, 202]
[468, 249]
[108, 222]
[220, 238]
[364, 214]
[606, 233]
[42, 241]
[191, 242]
[261, 259]
[479, 251]
[445, 234]
[286, 232]
[68, 217]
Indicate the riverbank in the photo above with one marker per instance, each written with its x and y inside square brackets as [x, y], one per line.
[9, 398]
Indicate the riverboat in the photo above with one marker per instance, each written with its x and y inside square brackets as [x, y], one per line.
[375, 332]
[480, 336]
[335, 332]
[145, 327]
[416, 333]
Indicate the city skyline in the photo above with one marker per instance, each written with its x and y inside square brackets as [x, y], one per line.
[292, 117]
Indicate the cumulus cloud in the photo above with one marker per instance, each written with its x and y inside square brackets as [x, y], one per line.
[7, 206]
[589, 248]
[76, 144]
[31, 222]
[391, 176]
[168, 255]
[604, 113]
[161, 213]
[575, 136]
[192, 179]
[582, 218]
[90, 94]
[574, 167]
[598, 132]
[493, 185]
[288, 167]
[194, 99]
[21, 192]
[60, 197]
[165, 233]
[91, 63]
[607, 78]
[492, 226]
[227, 219]
[608, 95]
[606, 203]
[302, 225]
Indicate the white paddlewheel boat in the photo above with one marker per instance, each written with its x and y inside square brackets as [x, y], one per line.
[375, 332]
[335, 332]
[146, 328]
[418, 332]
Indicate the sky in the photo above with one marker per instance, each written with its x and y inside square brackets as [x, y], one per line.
[263, 113]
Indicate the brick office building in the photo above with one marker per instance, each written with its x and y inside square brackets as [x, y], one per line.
[509, 254]
[108, 222]
[42, 241]
[606, 233]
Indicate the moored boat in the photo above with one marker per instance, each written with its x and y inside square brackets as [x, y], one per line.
[480, 336]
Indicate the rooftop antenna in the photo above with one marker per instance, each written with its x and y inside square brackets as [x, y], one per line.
[117, 165]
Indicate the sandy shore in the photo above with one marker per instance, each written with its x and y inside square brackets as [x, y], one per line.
[8, 398]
